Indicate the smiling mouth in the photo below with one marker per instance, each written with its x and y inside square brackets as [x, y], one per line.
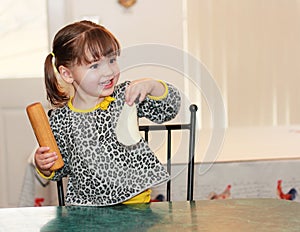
[107, 84]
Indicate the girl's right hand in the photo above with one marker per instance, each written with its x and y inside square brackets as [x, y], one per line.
[44, 160]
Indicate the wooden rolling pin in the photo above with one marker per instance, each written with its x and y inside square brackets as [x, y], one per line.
[43, 133]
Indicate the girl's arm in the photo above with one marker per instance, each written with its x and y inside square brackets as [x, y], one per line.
[158, 101]
[44, 159]
[141, 88]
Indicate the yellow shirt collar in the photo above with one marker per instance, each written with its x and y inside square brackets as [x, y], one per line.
[102, 105]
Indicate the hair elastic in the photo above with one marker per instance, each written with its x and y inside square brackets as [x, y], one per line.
[53, 63]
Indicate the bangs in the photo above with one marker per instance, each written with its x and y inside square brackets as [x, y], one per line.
[94, 44]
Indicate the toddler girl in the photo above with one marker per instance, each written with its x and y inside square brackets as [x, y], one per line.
[102, 171]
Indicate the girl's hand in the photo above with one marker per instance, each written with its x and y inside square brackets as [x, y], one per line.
[44, 160]
[139, 89]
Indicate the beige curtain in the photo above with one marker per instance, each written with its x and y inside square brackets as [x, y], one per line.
[252, 49]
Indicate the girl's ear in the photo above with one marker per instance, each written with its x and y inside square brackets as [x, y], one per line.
[65, 74]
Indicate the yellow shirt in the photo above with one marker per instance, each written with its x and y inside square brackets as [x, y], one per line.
[143, 197]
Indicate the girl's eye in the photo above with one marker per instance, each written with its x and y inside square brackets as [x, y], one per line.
[94, 66]
[112, 60]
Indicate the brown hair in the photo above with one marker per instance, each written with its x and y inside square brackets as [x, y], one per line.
[71, 46]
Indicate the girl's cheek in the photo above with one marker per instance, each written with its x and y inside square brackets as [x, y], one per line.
[117, 78]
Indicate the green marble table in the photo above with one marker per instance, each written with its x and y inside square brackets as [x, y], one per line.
[218, 215]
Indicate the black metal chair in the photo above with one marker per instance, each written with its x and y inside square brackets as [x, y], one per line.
[191, 127]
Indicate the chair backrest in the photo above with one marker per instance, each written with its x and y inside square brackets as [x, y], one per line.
[191, 127]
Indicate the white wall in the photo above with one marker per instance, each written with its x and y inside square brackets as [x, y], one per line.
[17, 140]
[145, 22]
[23, 38]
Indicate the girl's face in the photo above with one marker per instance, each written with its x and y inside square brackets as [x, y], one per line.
[97, 79]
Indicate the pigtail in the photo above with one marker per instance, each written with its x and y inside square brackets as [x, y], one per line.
[55, 94]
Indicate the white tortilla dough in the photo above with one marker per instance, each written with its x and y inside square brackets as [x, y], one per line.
[127, 129]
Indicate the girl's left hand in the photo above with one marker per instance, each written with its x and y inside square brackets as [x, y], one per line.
[139, 89]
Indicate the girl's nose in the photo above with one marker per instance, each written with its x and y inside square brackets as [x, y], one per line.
[107, 70]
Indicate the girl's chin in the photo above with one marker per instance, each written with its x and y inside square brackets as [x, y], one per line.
[107, 92]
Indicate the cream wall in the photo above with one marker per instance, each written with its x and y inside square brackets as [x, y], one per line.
[23, 38]
[252, 50]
